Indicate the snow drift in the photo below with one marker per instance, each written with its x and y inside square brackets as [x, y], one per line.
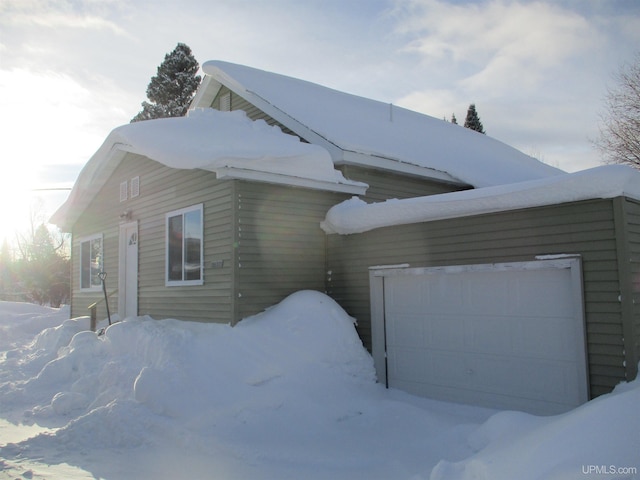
[288, 393]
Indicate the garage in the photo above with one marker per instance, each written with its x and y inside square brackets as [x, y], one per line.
[504, 335]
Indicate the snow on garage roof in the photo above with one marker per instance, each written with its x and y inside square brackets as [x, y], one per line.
[367, 132]
[356, 216]
[227, 143]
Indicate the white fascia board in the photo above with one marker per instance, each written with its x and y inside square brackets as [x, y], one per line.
[206, 93]
[355, 188]
[396, 166]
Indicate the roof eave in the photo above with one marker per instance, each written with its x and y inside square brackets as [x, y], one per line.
[388, 164]
[353, 188]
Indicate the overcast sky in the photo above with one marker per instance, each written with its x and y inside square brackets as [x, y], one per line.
[72, 70]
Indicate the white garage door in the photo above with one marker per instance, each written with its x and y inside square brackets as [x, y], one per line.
[507, 336]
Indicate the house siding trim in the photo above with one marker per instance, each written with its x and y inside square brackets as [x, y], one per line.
[627, 294]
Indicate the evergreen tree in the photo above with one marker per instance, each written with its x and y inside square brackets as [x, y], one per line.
[43, 268]
[473, 120]
[172, 89]
[454, 120]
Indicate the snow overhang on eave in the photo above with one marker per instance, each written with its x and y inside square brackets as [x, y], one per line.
[396, 166]
[92, 178]
[353, 188]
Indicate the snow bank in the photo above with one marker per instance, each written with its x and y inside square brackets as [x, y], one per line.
[380, 130]
[163, 367]
[602, 436]
[356, 216]
[288, 393]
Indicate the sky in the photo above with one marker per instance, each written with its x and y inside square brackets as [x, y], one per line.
[72, 70]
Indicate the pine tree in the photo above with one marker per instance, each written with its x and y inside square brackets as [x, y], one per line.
[174, 86]
[473, 120]
[454, 120]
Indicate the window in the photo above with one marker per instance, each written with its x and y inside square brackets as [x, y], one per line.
[184, 247]
[91, 257]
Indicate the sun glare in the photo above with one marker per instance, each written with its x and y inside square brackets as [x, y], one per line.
[15, 205]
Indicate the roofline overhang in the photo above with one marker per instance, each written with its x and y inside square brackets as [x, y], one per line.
[354, 188]
[396, 166]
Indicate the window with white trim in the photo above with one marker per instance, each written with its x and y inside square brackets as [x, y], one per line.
[91, 262]
[185, 260]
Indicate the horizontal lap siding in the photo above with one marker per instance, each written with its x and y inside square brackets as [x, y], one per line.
[585, 228]
[280, 246]
[253, 112]
[163, 190]
[384, 185]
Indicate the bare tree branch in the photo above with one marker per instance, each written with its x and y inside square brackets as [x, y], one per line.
[619, 139]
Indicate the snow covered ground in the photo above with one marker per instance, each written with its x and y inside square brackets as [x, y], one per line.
[287, 394]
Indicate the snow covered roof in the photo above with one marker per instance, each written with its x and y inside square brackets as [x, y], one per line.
[227, 143]
[361, 131]
[356, 216]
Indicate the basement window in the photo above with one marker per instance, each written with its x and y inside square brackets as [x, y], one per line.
[91, 258]
[185, 247]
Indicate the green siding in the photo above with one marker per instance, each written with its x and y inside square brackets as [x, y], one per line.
[585, 228]
[253, 112]
[385, 185]
[280, 246]
[162, 190]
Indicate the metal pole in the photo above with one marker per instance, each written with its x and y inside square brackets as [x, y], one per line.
[103, 276]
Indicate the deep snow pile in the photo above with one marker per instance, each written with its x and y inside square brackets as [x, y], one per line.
[289, 393]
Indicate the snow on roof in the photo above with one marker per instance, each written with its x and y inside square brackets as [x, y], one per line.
[356, 216]
[370, 132]
[228, 143]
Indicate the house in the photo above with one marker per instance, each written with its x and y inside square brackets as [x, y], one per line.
[217, 215]
[252, 196]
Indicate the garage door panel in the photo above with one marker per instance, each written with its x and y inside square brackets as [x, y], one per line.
[407, 331]
[446, 330]
[543, 293]
[405, 296]
[405, 364]
[489, 334]
[485, 292]
[506, 337]
[550, 338]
